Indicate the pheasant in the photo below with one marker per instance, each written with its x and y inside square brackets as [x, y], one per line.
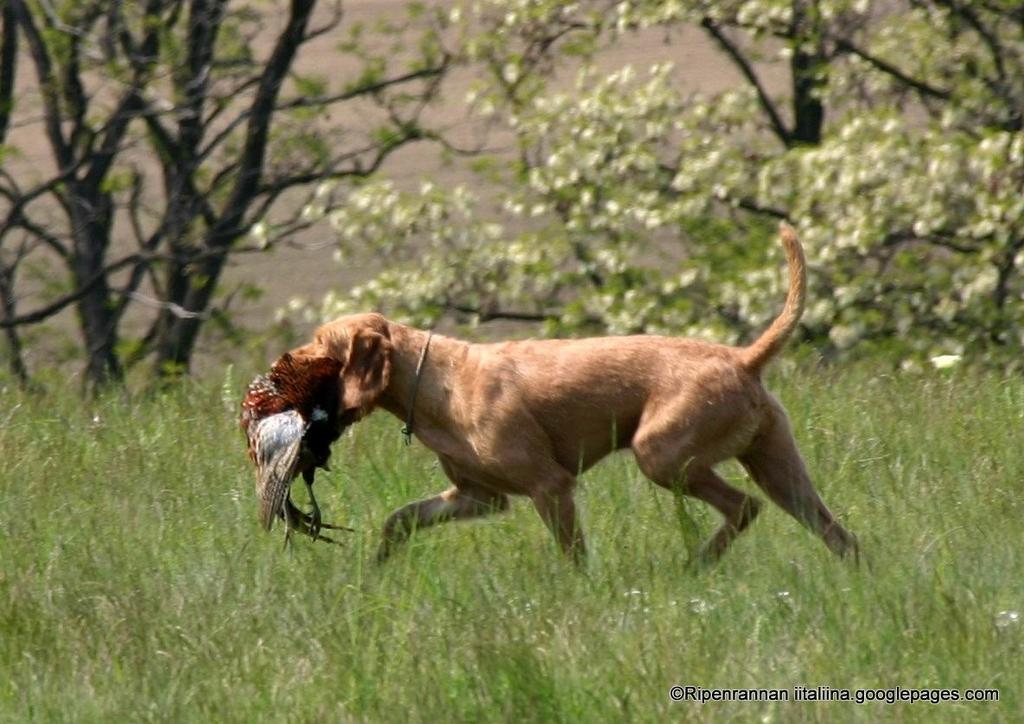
[290, 418]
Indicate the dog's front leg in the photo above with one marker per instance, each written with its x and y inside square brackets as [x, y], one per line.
[452, 504]
[558, 510]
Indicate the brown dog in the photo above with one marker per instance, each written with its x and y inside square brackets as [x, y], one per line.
[527, 417]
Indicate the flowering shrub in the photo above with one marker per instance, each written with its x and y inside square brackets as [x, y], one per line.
[630, 206]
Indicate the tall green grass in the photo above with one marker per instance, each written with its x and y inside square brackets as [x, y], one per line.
[135, 583]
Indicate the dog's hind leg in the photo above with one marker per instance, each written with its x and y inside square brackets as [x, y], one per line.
[664, 456]
[737, 508]
[774, 463]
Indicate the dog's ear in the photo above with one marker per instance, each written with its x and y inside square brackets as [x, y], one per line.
[367, 370]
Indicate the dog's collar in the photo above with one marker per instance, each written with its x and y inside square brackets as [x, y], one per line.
[407, 430]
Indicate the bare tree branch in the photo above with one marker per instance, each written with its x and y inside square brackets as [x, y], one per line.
[744, 66]
[58, 305]
[489, 315]
[324, 101]
[262, 109]
[47, 83]
[921, 87]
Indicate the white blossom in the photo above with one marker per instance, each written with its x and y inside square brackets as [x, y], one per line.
[945, 361]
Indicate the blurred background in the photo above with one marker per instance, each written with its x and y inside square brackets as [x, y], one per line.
[191, 183]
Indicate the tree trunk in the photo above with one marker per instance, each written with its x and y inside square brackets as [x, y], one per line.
[15, 361]
[808, 111]
[91, 215]
[190, 287]
[809, 79]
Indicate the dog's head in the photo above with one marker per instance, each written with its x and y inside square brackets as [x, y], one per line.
[361, 344]
[338, 377]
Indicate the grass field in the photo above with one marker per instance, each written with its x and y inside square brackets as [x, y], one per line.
[136, 585]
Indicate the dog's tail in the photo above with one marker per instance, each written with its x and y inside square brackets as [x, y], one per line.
[757, 355]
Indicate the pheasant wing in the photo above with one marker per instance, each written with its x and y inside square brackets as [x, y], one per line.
[278, 443]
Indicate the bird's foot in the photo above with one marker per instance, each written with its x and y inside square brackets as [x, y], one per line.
[310, 524]
[316, 522]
